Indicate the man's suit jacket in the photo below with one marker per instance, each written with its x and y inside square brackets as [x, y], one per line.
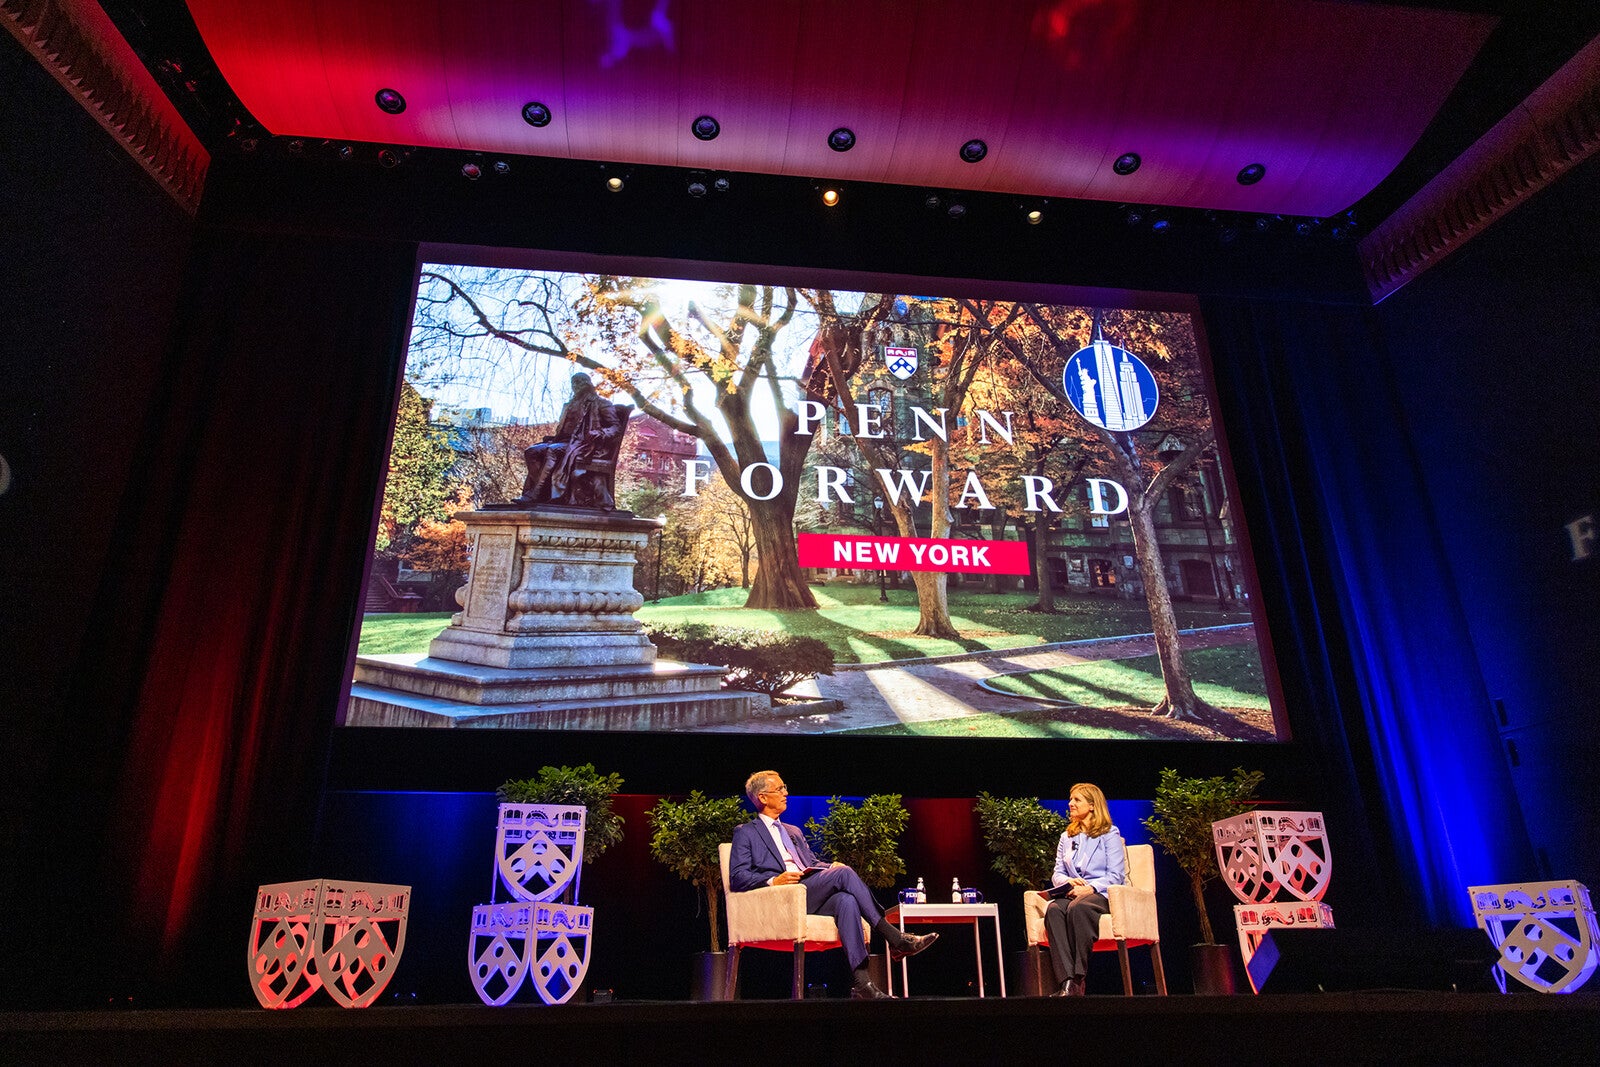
[754, 857]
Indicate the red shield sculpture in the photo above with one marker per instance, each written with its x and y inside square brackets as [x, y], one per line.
[499, 950]
[282, 971]
[1545, 932]
[358, 936]
[1261, 851]
[539, 850]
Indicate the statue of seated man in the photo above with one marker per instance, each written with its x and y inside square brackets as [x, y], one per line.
[588, 429]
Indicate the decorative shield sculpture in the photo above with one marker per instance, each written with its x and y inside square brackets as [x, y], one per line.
[498, 950]
[508, 941]
[1262, 851]
[1545, 933]
[539, 850]
[282, 969]
[358, 936]
[1255, 921]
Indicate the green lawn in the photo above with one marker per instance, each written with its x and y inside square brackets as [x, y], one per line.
[857, 627]
[1227, 677]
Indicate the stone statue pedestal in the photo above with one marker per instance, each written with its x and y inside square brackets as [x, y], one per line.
[546, 638]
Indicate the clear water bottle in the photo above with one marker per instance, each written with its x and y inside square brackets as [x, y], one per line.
[922, 892]
[955, 890]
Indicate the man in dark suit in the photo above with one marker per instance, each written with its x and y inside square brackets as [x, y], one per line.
[768, 852]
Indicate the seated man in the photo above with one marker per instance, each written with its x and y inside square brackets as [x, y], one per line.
[588, 427]
[768, 852]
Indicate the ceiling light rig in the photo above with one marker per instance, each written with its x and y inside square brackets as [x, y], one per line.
[536, 114]
[389, 101]
[842, 140]
[830, 195]
[705, 128]
[1032, 210]
[1126, 164]
[974, 151]
[1252, 173]
[471, 171]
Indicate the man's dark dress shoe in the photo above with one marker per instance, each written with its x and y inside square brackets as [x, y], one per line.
[913, 944]
[1067, 989]
[868, 991]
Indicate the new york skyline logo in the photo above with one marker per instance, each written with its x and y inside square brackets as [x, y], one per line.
[1110, 387]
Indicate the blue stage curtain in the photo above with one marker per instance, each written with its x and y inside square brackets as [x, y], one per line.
[233, 587]
[1369, 630]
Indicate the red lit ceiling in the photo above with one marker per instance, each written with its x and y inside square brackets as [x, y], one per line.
[1329, 96]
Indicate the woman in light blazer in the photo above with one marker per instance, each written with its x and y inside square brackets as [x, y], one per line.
[1091, 858]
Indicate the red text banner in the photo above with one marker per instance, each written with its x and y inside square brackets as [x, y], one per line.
[848, 552]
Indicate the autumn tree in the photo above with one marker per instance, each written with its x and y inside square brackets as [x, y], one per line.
[1146, 461]
[415, 488]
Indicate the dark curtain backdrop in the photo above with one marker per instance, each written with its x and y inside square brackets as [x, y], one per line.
[234, 583]
[1370, 634]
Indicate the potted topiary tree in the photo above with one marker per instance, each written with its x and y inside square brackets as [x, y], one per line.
[868, 839]
[1022, 834]
[684, 836]
[1185, 808]
[581, 785]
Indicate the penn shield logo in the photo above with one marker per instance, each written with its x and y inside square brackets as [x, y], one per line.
[1110, 387]
[901, 361]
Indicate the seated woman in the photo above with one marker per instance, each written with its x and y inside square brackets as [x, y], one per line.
[1091, 858]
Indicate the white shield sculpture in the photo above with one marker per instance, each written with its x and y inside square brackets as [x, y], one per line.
[282, 969]
[539, 850]
[358, 937]
[1256, 921]
[342, 936]
[901, 361]
[509, 941]
[1262, 851]
[1545, 933]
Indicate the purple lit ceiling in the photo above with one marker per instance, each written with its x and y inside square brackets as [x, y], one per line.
[1328, 96]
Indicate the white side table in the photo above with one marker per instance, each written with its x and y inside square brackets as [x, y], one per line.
[901, 914]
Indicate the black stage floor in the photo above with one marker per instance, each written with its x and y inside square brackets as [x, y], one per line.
[1369, 1027]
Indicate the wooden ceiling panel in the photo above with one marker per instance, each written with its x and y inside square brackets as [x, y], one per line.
[1328, 95]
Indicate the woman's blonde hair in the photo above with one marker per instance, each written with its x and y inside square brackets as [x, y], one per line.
[1098, 821]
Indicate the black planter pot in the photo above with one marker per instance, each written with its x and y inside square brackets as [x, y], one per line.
[1031, 973]
[1212, 969]
[709, 979]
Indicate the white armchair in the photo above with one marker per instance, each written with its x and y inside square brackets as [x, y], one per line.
[774, 917]
[1131, 922]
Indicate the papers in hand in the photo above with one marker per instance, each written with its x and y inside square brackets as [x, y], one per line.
[813, 869]
[1056, 892]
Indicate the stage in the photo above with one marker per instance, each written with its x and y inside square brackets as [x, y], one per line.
[1371, 1027]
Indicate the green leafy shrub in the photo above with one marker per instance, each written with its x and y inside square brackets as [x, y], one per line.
[1023, 835]
[1185, 808]
[573, 785]
[764, 661]
[684, 836]
[867, 838]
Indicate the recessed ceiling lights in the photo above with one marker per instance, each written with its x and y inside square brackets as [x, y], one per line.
[535, 114]
[842, 140]
[1252, 173]
[705, 128]
[1126, 163]
[389, 101]
[830, 196]
[973, 151]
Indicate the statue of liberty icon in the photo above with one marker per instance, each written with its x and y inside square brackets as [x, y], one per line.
[1110, 386]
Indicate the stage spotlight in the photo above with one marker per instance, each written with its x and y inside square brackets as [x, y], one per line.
[973, 151]
[1032, 211]
[471, 171]
[1126, 164]
[388, 158]
[501, 167]
[721, 184]
[1252, 173]
[295, 147]
[1160, 225]
[1135, 216]
[535, 114]
[842, 140]
[389, 101]
[830, 196]
[1263, 223]
[956, 210]
[706, 128]
[345, 153]
[1306, 227]
[615, 183]
[1034, 216]
[247, 145]
[933, 201]
[1228, 234]
[696, 186]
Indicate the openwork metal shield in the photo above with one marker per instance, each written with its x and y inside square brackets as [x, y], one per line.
[1545, 933]
[358, 936]
[539, 850]
[510, 941]
[1256, 921]
[281, 958]
[1262, 851]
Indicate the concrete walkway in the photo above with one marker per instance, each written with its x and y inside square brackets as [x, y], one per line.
[946, 687]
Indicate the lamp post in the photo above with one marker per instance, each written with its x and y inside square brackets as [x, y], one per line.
[661, 547]
[877, 530]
